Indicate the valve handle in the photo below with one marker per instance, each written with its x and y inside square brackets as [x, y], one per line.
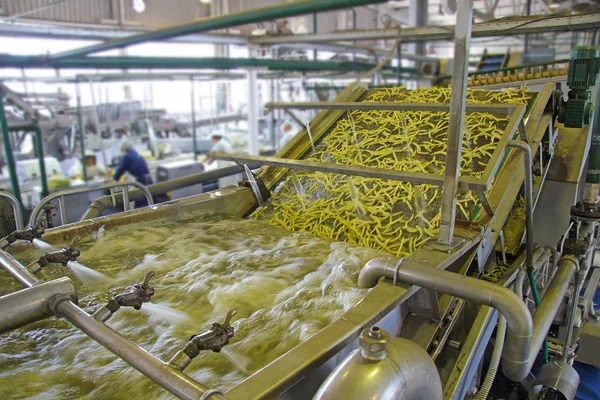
[146, 282]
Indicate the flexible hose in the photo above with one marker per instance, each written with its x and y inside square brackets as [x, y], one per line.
[486, 386]
[488, 381]
[519, 283]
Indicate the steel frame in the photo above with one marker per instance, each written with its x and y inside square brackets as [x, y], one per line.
[514, 111]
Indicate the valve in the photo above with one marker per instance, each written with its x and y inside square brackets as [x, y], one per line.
[28, 234]
[135, 297]
[62, 256]
[214, 339]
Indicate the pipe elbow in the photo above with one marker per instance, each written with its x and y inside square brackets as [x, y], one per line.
[373, 270]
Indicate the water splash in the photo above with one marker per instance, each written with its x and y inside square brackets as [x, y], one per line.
[353, 126]
[420, 204]
[166, 313]
[358, 206]
[85, 274]
[98, 235]
[307, 125]
[41, 245]
[240, 361]
[254, 186]
[298, 186]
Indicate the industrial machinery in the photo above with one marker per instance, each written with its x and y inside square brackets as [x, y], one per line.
[584, 65]
[443, 300]
[368, 257]
[178, 169]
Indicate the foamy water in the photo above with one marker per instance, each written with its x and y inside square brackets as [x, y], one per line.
[285, 286]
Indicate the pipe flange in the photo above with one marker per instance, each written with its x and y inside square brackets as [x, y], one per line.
[209, 393]
[398, 264]
[572, 259]
[55, 300]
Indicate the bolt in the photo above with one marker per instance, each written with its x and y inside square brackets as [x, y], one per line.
[373, 343]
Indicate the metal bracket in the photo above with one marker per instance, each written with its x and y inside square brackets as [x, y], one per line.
[434, 244]
[484, 202]
[522, 132]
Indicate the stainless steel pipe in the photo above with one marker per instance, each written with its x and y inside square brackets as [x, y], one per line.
[523, 341]
[169, 378]
[528, 166]
[15, 269]
[99, 205]
[33, 303]
[174, 381]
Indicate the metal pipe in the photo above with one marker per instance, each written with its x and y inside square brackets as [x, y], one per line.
[119, 62]
[39, 209]
[277, 11]
[97, 207]
[458, 99]
[8, 152]
[33, 303]
[572, 310]
[524, 336]
[15, 269]
[169, 378]
[14, 203]
[528, 165]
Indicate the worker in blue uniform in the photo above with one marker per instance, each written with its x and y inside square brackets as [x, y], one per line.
[133, 163]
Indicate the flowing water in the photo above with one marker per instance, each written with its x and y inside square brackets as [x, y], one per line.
[285, 286]
[307, 125]
[165, 313]
[41, 245]
[86, 274]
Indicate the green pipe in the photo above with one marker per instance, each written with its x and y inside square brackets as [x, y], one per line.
[117, 62]
[8, 153]
[39, 146]
[315, 31]
[536, 300]
[593, 170]
[277, 11]
[194, 122]
[81, 130]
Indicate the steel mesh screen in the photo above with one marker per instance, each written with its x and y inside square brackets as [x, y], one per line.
[396, 217]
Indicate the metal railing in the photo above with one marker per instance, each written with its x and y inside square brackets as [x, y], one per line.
[60, 196]
[14, 203]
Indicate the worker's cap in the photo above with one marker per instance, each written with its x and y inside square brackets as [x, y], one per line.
[90, 153]
[126, 145]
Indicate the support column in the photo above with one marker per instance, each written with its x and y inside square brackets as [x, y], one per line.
[462, 39]
[252, 109]
[194, 135]
[417, 16]
[81, 130]
[8, 153]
